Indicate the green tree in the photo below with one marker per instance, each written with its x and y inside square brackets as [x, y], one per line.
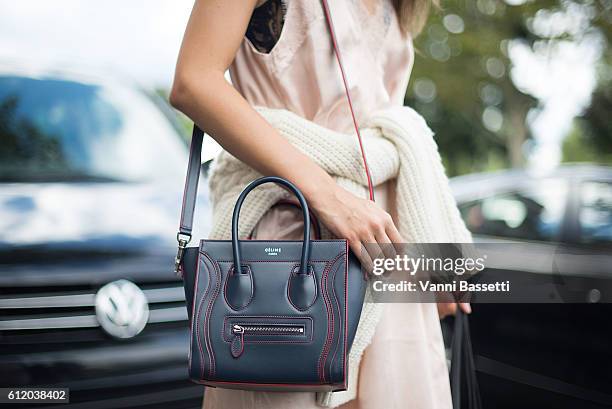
[591, 139]
[462, 82]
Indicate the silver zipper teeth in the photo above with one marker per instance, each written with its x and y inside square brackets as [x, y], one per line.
[273, 328]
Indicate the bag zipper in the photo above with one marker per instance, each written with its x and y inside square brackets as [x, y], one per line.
[267, 329]
[239, 330]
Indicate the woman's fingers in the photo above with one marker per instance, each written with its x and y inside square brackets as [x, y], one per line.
[394, 234]
[377, 243]
[369, 229]
[465, 307]
[367, 250]
[372, 247]
[362, 255]
[450, 308]
[446, 308]
[378, 237]
[396, 238]
[392, 238]
[385, 241]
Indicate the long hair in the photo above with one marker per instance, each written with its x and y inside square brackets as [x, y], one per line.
[412, 14]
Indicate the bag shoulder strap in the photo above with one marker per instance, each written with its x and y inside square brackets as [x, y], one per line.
[195, 153]
[334, 39]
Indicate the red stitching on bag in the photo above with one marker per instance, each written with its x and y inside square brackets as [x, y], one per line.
[344, 355]
[327, 313]
[281, 385]
[197, 318]
[289, 289]
[336, 304]
[209, 312]
[272, 261]
[229, 272]
[193, 315]
[330, 317]
[329, 340]
[198, 338]
[332, 322]
[330, 326]
[210, 350]
[278, 241]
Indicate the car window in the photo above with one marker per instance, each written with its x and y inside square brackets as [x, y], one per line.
[533, 213]
[595, 214]
[56, 129]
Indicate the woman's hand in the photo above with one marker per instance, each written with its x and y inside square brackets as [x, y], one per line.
[450, 308]
[358, 220]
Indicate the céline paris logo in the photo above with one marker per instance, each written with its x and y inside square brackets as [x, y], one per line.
[273, 251]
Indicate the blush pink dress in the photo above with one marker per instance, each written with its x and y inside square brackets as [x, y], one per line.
[405, 364]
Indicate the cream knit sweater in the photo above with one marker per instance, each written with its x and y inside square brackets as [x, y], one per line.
[399, 146]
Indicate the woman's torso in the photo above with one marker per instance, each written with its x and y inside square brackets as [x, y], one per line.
[300, 72]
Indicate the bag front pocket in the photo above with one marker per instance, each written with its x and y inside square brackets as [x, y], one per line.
[241, 330]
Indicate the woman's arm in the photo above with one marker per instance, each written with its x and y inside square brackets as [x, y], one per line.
[214, 33]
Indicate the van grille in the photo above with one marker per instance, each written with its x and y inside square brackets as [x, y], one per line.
[32, 310]
[50, 337]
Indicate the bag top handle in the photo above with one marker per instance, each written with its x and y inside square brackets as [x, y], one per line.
[195, 154]
[236, 215]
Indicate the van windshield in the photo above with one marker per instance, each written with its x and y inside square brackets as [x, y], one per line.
[63, 130]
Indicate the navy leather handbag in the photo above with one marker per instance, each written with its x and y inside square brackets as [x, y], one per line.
[284, 320]
[269, 315]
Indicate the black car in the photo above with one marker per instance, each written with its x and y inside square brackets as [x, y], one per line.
[91, 177]
[544, 355]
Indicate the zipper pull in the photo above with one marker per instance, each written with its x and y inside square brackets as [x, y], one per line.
[237, 345]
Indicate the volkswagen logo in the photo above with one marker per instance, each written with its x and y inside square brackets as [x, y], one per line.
[122, 309]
